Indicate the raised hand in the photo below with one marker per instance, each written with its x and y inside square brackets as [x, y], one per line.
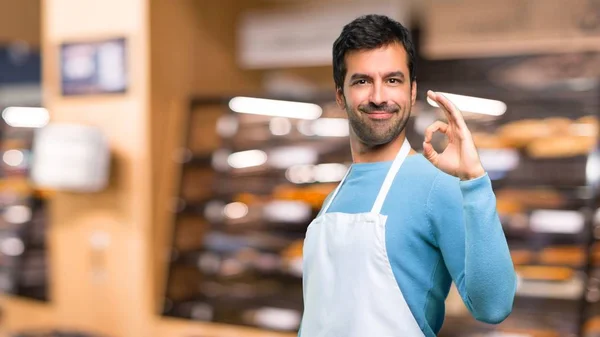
[460, 157]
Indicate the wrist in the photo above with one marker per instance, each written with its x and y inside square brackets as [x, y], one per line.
[473, 174]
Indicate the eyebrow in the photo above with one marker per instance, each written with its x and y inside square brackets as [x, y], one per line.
[359, 76]
[395, 74]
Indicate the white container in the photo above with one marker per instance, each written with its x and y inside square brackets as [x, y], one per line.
[70, 157]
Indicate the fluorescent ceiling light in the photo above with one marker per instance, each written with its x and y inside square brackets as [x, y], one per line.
[246, 159]
[280, 126]
[499, 159]
[474, 104]
[322, 173]
[277, 318]
[329, 173]
[331, 127]
[287, 211]
[270, 107]
[13, 158]
[227, 126]
[284, 157]
[556, 221]
[17, 214]
[12, 247]
[592, 169]
[24, 117]
[235, 210]
[325, 127]
[300, 174]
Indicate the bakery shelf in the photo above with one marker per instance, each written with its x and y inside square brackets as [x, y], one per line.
[542, 308]
[559, 318]
[23, 221]
[572, 289]
[198, 160]
[223, 214]
[220, 244]
[272, 314]
[244, 275]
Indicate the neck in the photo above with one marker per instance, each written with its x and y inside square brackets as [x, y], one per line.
[362, 153]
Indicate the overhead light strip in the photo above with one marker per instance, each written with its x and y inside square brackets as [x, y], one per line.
[275, 108]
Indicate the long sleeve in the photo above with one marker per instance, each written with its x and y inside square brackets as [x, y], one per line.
[469, 235]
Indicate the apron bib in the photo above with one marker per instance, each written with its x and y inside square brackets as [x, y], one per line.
[349, 288]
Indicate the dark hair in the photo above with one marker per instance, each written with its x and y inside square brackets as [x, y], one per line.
[370, 32]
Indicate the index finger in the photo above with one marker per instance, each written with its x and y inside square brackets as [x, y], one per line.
[451, 111]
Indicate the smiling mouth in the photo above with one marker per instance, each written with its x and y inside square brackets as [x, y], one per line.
[380, 114]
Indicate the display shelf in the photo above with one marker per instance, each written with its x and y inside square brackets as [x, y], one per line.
[252, 220]
[545, 177]
[550, 184]
[171, 326]
[559, 318]
[23, 220]
[547, 136]
[199, 160]
[559, 173]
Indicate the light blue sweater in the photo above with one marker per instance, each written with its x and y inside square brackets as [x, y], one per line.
[439, 230]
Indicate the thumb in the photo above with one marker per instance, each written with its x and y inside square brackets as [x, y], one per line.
[429, 153]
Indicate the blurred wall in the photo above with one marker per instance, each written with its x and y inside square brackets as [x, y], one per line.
[102, 290]
[472, 28]
[20, 20]
[192, 53]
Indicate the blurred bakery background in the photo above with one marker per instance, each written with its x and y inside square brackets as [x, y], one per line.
[161, 159]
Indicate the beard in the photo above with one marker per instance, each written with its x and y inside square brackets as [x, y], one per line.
[377, 132]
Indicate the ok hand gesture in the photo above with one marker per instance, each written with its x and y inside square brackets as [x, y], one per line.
[460, 158]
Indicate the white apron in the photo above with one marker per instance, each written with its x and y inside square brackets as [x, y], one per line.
[348, 285]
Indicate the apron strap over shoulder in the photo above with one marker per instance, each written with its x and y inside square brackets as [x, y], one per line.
[387, 183]
[335, 192]
[389, 178]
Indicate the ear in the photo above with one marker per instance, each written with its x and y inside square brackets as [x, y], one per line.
[413, 94]
[339, 99]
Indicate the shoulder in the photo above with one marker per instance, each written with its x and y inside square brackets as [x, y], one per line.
[419, 171]
[442, 188]
[325, 202]
[445, 191]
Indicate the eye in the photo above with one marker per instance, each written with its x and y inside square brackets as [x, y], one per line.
[360, 82]
[394, 81]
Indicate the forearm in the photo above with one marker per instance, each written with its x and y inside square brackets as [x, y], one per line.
[490, 280]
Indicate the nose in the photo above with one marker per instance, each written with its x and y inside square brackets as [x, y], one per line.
[378, 96]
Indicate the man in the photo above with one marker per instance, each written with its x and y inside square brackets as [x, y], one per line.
[380, 257]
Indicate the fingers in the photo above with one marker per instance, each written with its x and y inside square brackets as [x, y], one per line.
[428, 150]
[429, 153]
[452, 113]
[452, 110]
[435, 97]
[437, 125]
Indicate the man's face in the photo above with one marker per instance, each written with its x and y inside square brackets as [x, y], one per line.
[377, 95]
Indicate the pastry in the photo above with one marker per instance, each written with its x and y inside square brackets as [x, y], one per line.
[522, 132]
[529, 198]
[567, 255]
[558, 125]
[543, 273]
[489, 141]
[521, 256]
[293, 251]
[508, 206]
[561, 146]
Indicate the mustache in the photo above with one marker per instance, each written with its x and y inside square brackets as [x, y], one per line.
[372, 107]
